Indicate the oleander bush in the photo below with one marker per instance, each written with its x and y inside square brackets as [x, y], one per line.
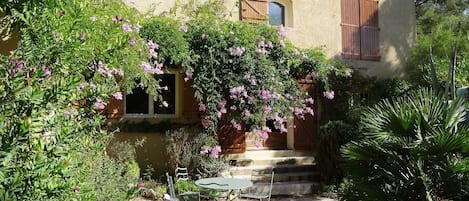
[71, 60]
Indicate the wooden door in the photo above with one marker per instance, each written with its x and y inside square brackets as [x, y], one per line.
[231, 140]
[306, 130]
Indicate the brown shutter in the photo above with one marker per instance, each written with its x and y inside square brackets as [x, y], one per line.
[254, 11]
[115, 108]
[350, 12]
[190, 105]
[369, 30]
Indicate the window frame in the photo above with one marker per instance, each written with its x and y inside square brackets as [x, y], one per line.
[283, 13]
[151, 114]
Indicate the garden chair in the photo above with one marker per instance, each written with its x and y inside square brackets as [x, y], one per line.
[172, 192]
[260, 197]
[181, 173]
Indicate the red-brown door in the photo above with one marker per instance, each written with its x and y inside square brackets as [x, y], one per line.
[306, 129]
[231, 140]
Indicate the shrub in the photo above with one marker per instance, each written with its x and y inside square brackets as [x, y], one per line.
[332, 137]
[414, 148]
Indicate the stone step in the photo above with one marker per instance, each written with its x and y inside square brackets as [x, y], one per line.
[258, 154]
[292, 160]
[266, 169]
[285, 188]
[281, 177]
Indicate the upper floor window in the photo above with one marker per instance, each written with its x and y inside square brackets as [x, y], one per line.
[273, 12]
[360, 29]
[276, 14]
[142, 104]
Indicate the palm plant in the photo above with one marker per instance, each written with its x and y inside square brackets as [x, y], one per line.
[415, 148]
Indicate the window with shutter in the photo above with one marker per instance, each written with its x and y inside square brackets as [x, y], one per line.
[360, 29]
[254, 11]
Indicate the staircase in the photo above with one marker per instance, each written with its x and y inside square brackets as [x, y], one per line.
[295, 171]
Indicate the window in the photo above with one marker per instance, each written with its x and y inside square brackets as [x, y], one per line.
[276, 14]
[141, 104]
[360, 29]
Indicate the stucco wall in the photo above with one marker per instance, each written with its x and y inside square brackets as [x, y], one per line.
[8, 42]
[316, 23]
[152, 153]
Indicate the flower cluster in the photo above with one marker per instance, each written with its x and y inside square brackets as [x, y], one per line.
[213, 152]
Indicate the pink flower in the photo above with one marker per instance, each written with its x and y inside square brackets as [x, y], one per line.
[238, 51]
[83, 37]
[329, 94]
[183, 28]
[117, 19]
[99, 105]
[152, 45]
[83, 85]
[140, 184]
[137, 28]
[262, 51]
[75, 189]
[257, 144]
[247, 113]
[267, 109]
[223, 110]
[296, 52]
[165, 104]
[309, 101]
[281, 43]
[219, 115]
[270, 45]
[205, 150]
[132, 41]
[117, 95]
[215, 152]
[187, 77]
[152, 53]
[46, 71]
[126, 28]
[202, 107]
[281, 31]
[222, 104]
[233, 108]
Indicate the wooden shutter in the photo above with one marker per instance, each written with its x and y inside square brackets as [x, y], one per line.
[190, 105]
[350, 12]
[231, 140]
[369, 30]
[254, 11]
[115, 108]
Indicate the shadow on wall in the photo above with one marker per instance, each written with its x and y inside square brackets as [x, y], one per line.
[397, 34]
[8, 42]
[152, 153]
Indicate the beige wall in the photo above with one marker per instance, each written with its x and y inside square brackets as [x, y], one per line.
[316, 23]
[152, 153]
[8, 42]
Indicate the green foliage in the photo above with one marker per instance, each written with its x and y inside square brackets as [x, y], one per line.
[333, 135]
[355, 93]
[71, 58]
[183, 146]
[174, 49]
[413, 149]
[440, 26]
[184, 186]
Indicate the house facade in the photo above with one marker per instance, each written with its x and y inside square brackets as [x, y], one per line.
[372, 36]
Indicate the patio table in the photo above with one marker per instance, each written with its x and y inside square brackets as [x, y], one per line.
[226, 184]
